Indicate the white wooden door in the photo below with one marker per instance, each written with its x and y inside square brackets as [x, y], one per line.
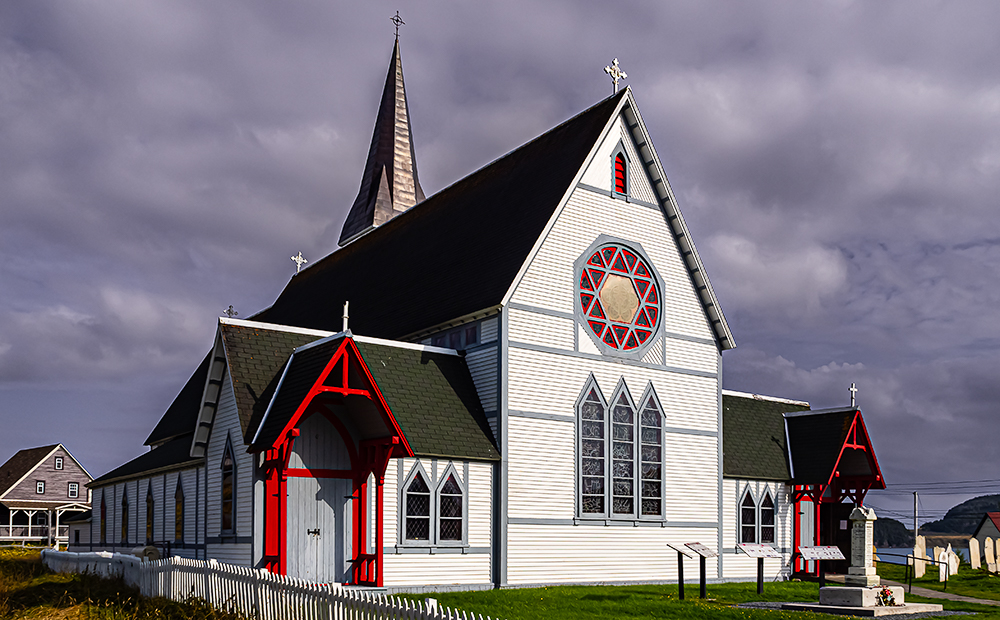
[319, 529]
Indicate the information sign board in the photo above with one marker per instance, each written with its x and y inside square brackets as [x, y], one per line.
[830, 552]
[681, 549]
[701, 550]
[758, 550]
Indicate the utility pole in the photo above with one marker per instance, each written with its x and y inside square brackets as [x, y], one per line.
[916, 528]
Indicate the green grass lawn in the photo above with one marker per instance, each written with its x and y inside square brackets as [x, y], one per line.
[29, 590]
[978, 583]
[653, 601]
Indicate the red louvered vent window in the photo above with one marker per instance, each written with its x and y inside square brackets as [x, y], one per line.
[620, 173]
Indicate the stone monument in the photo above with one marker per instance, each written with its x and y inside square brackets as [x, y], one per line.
[991, 563]
[862, 571]
[974, 558]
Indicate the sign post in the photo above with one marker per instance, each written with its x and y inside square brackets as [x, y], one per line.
[759, 551]
[703, 553]
[682, 552]
[819, 554]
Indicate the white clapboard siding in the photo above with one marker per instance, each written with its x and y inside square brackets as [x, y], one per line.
[601, 173]
[227, 424]
[653, 356]
[691, 355]
[550, 282]
[436, 570]
[544, 382]
[538, 328]
[480, 485]
[488, 330]
[738, 565]
[691, 477]
[540, 468]
[482, 365]
[582, 553]
[638, 179]
[319, 446]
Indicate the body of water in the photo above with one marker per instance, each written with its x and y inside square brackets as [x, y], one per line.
[886, 553]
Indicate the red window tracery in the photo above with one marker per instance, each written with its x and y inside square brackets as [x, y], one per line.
[620, 332]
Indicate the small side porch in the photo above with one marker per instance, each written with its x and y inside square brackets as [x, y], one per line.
[37, 522]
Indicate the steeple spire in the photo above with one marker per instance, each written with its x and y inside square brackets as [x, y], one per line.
[389, 185]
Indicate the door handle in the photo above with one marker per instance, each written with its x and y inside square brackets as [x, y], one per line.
[313, 532]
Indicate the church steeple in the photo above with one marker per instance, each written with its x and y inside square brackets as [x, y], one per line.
[389, 185]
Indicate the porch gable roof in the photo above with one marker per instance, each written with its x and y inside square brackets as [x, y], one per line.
[817, 441]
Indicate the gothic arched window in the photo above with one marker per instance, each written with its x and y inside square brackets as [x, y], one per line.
[651, 455]
[592, 413]
[451, 507]
[748, 519]
[104, 520]
[124, 516]
[767, 518]
[179, 512]
[623, 454]
[621, 173]
[417, 506]
[228, 488]
[149, 512]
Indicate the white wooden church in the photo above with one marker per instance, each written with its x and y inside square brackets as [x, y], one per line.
[527, 391]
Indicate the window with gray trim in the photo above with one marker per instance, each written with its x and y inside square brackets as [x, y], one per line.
[434, 512]
[620, 454]
[619, 170]
[748, 518]
[767, 518]
[228, 490]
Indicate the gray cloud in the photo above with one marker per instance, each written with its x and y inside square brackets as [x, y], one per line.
[837, 163]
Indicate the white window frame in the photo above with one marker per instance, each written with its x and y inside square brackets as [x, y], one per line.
[417, 468]
[747, 492]
[620, 149]
[434, 486]
[73, 490]
[760, 521]
[39, 487]
[59, 462]
[650, 395]
[622, 390]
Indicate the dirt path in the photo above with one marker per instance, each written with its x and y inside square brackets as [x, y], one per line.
[927, 592]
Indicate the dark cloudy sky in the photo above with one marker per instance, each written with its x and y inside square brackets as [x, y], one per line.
[837, 163]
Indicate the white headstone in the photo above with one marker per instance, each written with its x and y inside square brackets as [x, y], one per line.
[942, 559]
[952, 561]
[974, 558]
[920, 552]
[991, 560]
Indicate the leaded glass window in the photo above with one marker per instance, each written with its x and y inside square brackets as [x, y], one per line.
[592, 453]
[149, 513]
[767, 519]
[450, 510]
[228, 489]
[651, 458]
[124, 516]
[179, 512]
[104, 521]
[748, 519]
[623, 457]
[418, 509]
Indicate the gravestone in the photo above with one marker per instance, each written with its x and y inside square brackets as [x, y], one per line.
[974, 558]
[942, 559]
[952, 561]
[862, 570]
[919, 552]
[991, 562]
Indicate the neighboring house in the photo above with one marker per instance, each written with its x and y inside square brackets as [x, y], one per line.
[989, 527]
[37, 487]
[79, 528]
[529, 392]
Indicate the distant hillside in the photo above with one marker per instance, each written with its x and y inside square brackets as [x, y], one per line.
[963, 518]
[892, 533]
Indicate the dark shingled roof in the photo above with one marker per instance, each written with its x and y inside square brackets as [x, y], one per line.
[76, 517]
[20, 464]
[175, 454]
[453, 254]
[816, 440]
[256, 358]
[182, 414]
[430, 394]
[753, 438]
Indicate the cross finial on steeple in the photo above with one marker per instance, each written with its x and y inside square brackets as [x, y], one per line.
[615, 72]
[854, 392]
[230, 312]
[398, 21]
[298, 260]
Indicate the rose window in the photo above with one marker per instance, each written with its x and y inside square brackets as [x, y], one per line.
[619, 297]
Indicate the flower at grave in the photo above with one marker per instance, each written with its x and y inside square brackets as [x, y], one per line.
[885, 598]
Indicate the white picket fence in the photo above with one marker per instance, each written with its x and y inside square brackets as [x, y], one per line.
[248, 592]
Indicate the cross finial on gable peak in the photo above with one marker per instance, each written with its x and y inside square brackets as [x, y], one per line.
[397, 21]
[615, 72]
[854, 392]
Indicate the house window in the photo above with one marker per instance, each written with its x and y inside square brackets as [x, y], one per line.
[451, 508]
[471, 335]
[124, 517]
[39, 487]
[651, 457]
[74, 490]
[228, 488]
[767, 519]
[104, 521]
[418, 508]
[149, 513]
[76, 537]
[621, 173]
[748, 519]
[592, 453]
[59, 462]
[179, 512]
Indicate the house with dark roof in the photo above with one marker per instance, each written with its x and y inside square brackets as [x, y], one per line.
[989, 527]
[38, 487]
[513, 381]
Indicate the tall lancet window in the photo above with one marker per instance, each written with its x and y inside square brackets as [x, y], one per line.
[450, 508]
[150, 511]
[417, 501]
[651, 456]
[767, 518]
[104, 520]
[623, 454]
[228, 488]
[748, 519]
[593, 456]
[124, 517]
[179, 512]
